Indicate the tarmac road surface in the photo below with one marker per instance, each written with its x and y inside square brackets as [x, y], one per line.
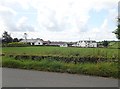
[30, 78]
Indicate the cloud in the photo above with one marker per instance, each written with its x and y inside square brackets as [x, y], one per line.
[58, 19]
[25, 4]
[6, 15]
[8, 21]
[60, 15]
[2, 27]
[104, 4]
[6, 10]
[104, 32]
[105, 24]
[22, 25]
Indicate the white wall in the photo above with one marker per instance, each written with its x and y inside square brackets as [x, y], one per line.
[38, 42]
[64, 45]
[94, 44]
[84, 44]
[31, 44]
[81, 44]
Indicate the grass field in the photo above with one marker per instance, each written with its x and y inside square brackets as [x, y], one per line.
[106, 69]
[114, 45]
[61, 51]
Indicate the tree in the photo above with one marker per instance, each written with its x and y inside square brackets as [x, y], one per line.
[6, 38]
[105, 43]
[15, 40]
[117, 31]
[20, 39]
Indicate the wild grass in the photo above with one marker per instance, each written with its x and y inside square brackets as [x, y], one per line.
[104, 69]
[114, 45]
[62, 51]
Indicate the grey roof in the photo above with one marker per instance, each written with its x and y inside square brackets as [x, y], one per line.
[57, 43]
[87, 41]
[31, 40]
[71, 43]
[46, 42]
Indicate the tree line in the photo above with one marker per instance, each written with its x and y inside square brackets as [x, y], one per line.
[6, 38]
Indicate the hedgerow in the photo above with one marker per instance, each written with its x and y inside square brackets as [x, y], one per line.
[104, 69]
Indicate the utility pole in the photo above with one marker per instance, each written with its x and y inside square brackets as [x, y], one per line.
[25, 35]
[90, 42]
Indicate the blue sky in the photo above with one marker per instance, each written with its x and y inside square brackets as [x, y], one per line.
[97, 17]
[59, 20]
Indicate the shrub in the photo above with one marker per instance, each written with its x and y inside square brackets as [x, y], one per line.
[17, 44]
[12, 63]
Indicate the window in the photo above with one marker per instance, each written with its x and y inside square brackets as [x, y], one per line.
[32, 43]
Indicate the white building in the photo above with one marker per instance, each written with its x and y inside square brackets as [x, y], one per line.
[42, 42]
[86, 43]
[64, 45]
[82, 43]
[33, 41]
[60, 44]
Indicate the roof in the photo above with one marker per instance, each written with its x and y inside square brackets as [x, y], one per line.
[87, 41]
[31, 40]
[71, 43]
[57, 43]
[46, 42]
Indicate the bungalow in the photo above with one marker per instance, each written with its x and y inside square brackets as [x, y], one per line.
[61, 44]
[86, 43]
[37, 41]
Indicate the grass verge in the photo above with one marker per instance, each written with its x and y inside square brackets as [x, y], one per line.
[104, 69]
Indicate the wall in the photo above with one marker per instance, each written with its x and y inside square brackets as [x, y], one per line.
[64, 45]
[38, 42]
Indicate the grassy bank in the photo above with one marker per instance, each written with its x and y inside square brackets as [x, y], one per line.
[105, 69]
[114, 45]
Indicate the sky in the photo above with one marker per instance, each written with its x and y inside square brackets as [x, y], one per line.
[59, 20]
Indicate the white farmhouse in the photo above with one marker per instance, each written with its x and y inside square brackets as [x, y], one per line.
[39, 41]
[86, 43]
[33, 41]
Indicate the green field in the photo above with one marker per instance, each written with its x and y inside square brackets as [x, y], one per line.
[114, 45]
[101, 68]
[61, 51]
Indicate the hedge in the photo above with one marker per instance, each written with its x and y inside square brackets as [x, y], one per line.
[15, 44]
[66, 59]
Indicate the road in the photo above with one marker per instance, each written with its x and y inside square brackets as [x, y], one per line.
[31, 78]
